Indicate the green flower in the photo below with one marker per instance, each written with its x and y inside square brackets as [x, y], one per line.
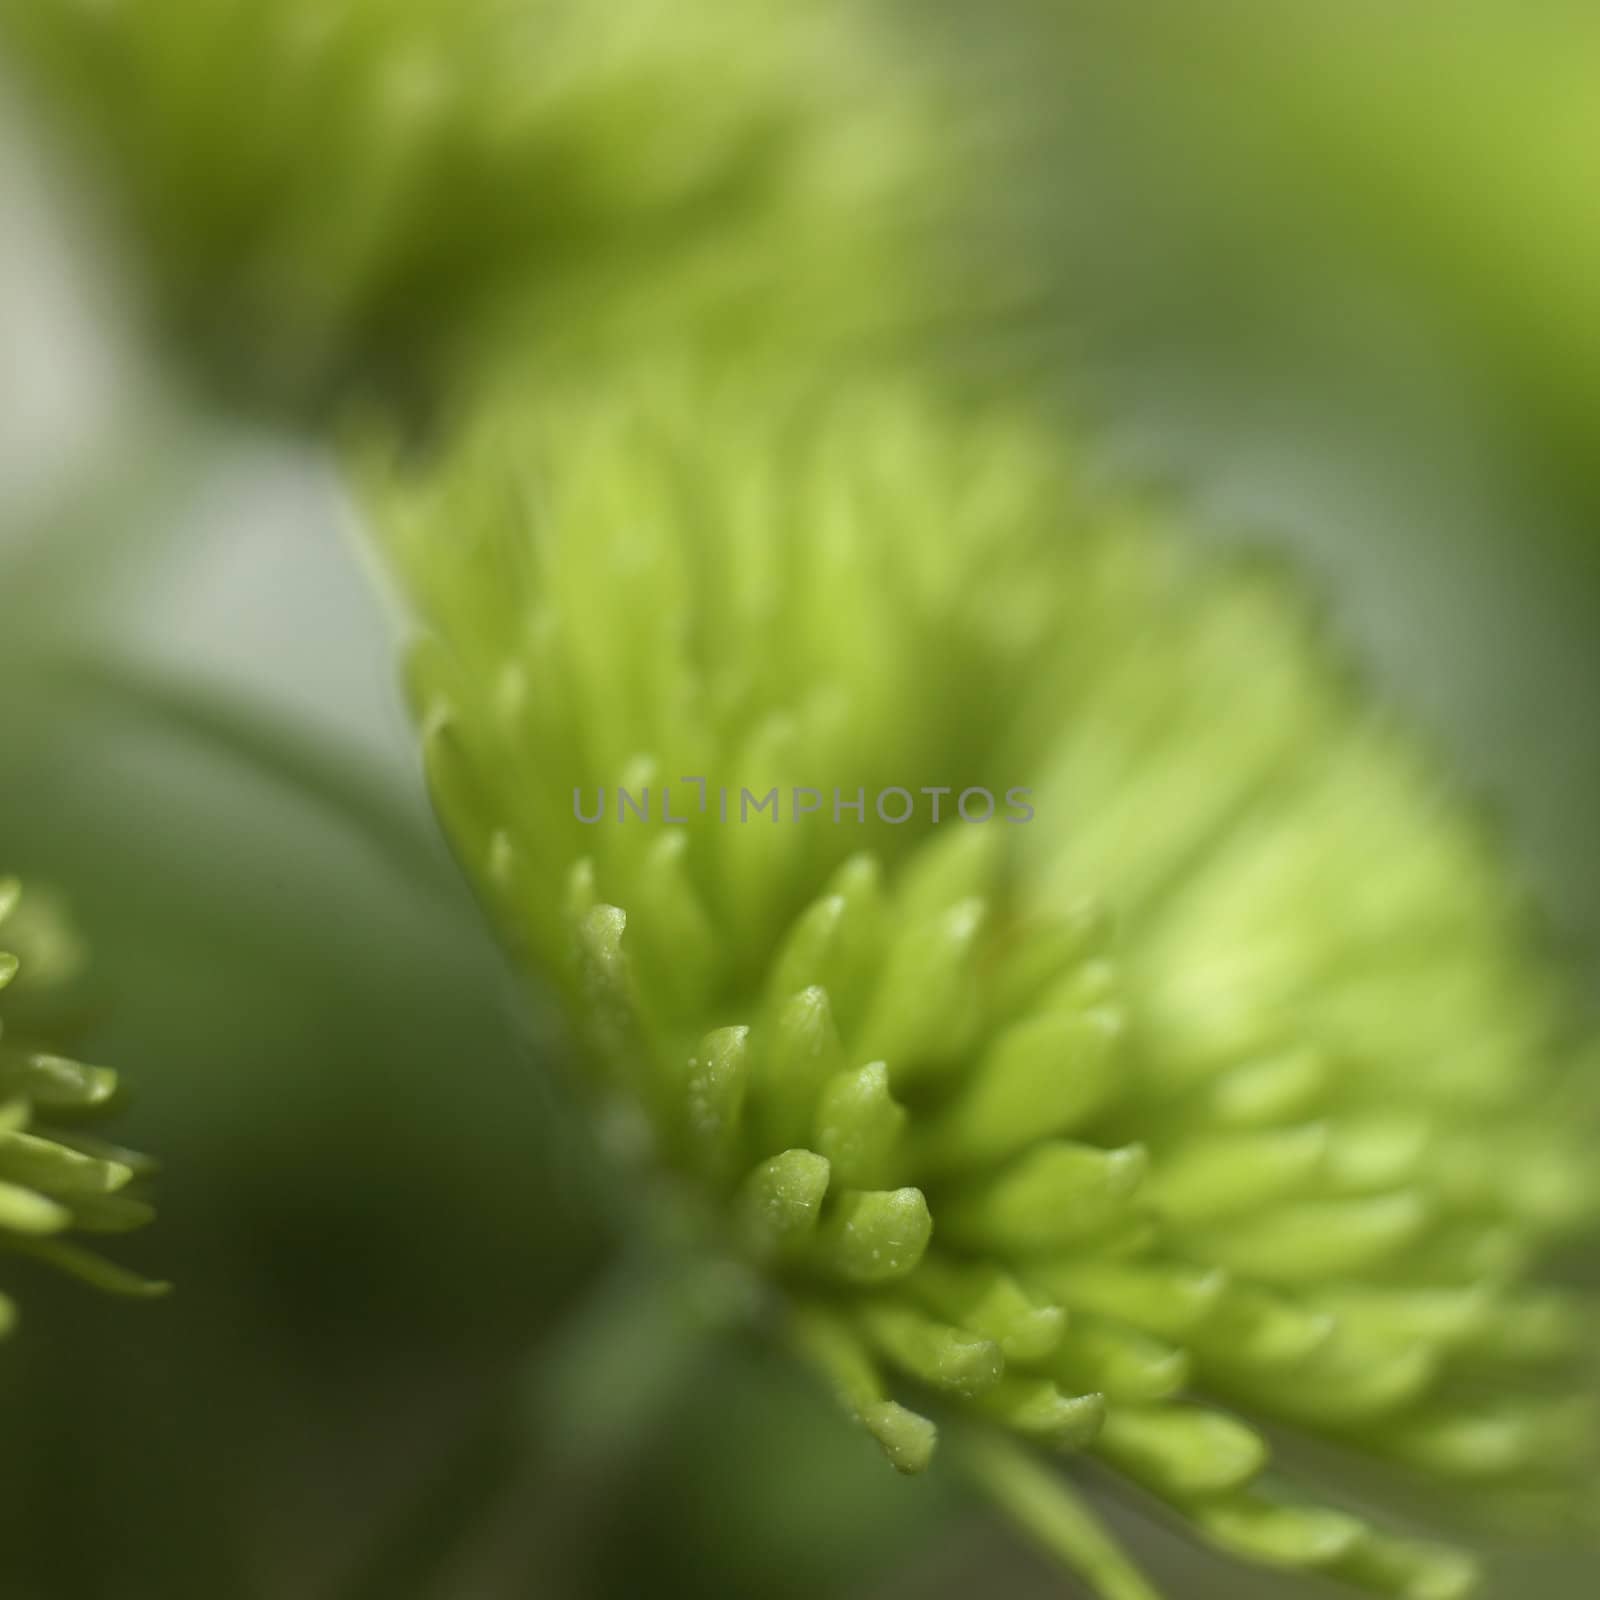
[337, 196]
[54, 1180]
[1209, 1090]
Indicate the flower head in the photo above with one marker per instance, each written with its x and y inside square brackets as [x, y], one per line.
[54, 1179]
[1171, 1071]
[357, 196]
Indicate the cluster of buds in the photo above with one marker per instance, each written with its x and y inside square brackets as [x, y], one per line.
[55, 1180]
[1223, 1101]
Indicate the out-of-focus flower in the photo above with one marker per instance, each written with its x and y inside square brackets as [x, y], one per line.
[337, 196]
[54, 1180]
[1012, 939]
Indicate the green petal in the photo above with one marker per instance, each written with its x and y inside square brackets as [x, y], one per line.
[923, 1014]
[906, 1438]
[1279, 1534]
[718, 1083]
[57, 1169]
[874, 1235]
[1042, 1077]
[1037, 1408]
[860, 1126]
[28, 1213]
[1182, 1452]
[800, 1052]
[1169, 1300]
[987, 1299]
[54, 1084]
[781, 1201]
[1124, 1364]
[934, 1353]
[1053, 1197]
[1318, 1240]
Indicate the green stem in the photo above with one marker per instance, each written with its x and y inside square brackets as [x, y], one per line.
[1045, 1506]
[349, 791]
[544, 1460]
[417, 1542]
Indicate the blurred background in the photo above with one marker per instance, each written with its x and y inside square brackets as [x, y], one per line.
[1329, 276]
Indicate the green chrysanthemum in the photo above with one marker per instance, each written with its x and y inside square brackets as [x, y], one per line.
[1219, 1096]
[338, 195]
[54, 1180]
